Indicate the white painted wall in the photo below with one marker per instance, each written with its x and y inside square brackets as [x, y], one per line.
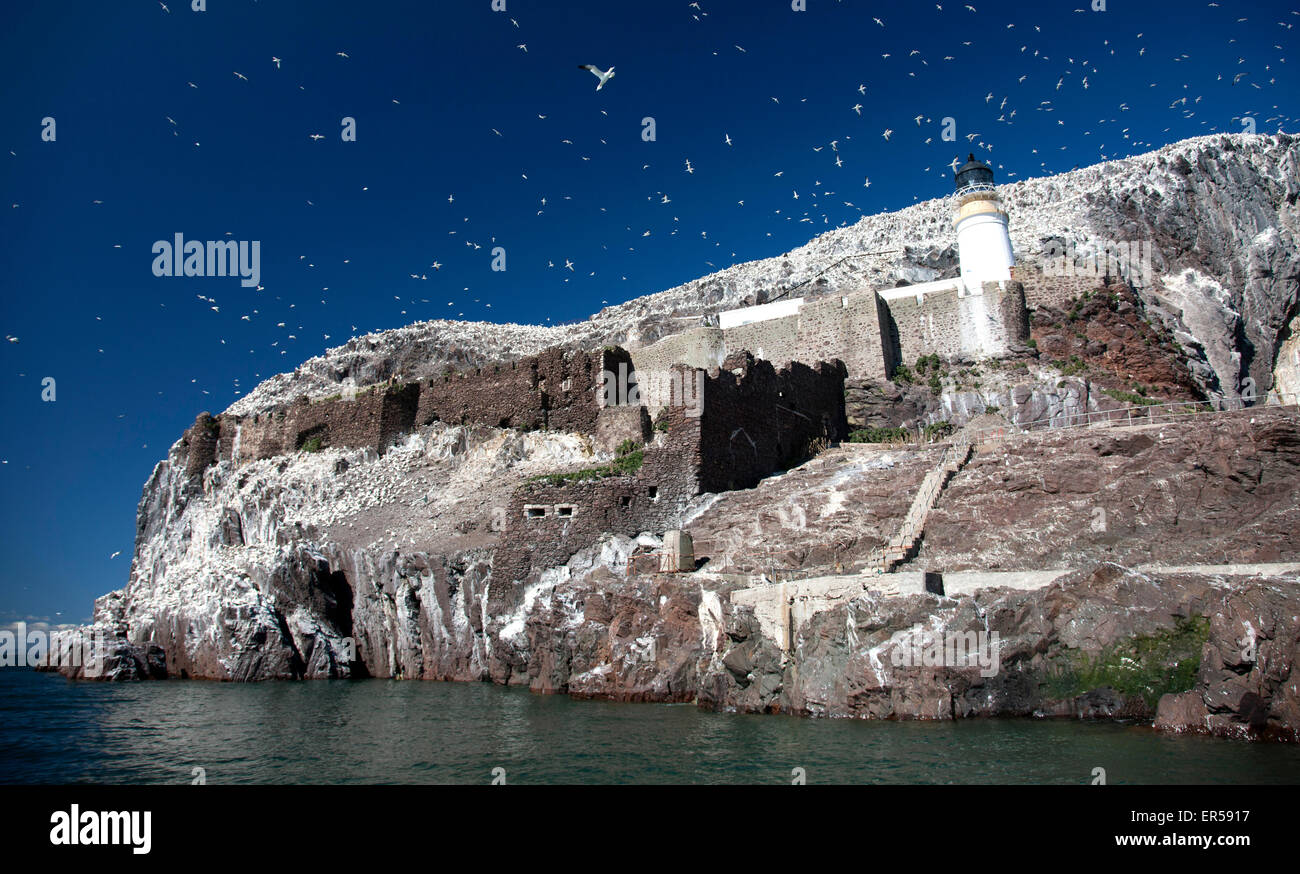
[760, 313]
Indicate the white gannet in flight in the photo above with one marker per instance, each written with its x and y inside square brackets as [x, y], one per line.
[604, 76]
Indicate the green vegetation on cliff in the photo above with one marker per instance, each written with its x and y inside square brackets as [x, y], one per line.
[1137, 399]
[938, 430]
[1146, 666]
[880, 435]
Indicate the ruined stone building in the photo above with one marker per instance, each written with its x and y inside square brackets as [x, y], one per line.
[719, 430]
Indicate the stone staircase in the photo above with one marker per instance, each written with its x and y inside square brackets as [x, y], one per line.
[903, 544]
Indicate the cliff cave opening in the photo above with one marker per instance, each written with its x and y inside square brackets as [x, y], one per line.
[338, 602]
[338, 612]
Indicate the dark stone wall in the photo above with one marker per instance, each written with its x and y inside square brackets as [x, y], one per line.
[720, 430]
[555, 390]
[373, 419]
[1041, 289]
[200, 442]
[1014, 312]
[758, 420]
[617, 424]
[503, 395]
[851, 327]
[397, 414]
[568, 382]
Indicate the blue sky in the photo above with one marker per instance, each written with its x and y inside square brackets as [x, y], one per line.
[152, 121]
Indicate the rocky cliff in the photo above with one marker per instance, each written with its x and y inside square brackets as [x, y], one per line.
[348, 563]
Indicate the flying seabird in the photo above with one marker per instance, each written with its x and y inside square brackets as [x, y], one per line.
[603, 75]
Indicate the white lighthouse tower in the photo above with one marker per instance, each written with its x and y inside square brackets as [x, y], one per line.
[983, 244]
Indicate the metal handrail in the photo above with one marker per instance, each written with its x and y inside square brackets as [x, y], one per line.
[974, 186]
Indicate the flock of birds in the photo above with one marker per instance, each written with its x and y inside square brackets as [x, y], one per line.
[811, 200]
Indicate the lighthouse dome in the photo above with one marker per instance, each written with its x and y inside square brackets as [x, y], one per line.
[973, 173]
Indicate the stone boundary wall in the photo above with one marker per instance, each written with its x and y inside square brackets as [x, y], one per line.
[870, 334]
[775, 340]
[614, 425]
[506, 394]
[1054, 291]
[564, 390]
[849, 327]
[699, 348]
[1014, 313]
[202, 444]
[925, 327]
[977, 326]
